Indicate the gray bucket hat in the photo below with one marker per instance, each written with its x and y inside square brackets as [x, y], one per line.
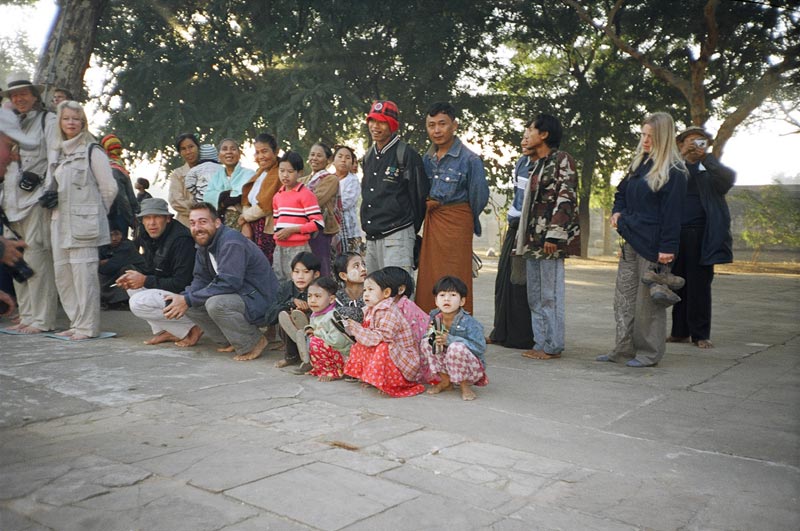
[154, 206]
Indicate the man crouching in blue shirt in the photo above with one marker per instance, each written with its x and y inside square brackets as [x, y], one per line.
[232, 287]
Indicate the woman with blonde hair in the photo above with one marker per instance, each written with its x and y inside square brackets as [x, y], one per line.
[647, 214]
[85, 190]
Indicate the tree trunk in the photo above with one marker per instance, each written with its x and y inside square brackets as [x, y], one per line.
[585, 191]
[70, 42]
[608, 234]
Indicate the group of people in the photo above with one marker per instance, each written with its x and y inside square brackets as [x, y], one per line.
[280, 248]
[674, 225]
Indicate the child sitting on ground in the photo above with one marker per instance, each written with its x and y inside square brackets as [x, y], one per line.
[290, 306]
[455, 345]
[384, 355]
[403, 282]
[350, 270]
[326, 346]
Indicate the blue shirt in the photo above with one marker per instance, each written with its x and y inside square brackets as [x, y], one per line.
[458, 177]
[520, 181]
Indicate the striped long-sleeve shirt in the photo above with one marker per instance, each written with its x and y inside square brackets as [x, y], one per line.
[297, 207]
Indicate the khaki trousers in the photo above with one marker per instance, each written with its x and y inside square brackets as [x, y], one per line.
[78, 284]
[37, 298]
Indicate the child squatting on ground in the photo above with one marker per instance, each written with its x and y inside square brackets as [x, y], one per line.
[385, 355]
[291, 306]
[455, 345]
[327, 346]
[351, 271]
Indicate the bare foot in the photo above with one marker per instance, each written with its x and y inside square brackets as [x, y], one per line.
[229, 348]
[325, 378]
[704, 343]
[78, 337]
[540, 355]
[466, 392]
[30, 330]
[443, 385]
[191, 339]
[255, 352]
[66, 333]
[280, 364]
[16, 326]
[161, 337]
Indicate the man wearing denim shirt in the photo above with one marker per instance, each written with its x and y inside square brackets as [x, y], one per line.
[458, 195]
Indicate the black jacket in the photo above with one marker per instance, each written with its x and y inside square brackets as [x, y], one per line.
[392, 195]
[168, 260]
[712, 185]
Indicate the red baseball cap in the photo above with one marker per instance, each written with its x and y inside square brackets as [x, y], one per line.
[385, 111]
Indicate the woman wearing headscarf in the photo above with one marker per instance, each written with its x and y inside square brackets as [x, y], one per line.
[256, 220]
[647, 213]
[85, 190]
[225, 188]
[188, 147]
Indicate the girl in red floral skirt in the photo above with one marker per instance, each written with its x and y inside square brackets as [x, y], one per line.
[385, 354]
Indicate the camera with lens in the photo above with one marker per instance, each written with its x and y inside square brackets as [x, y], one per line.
[29, 181]
[702, 143]
[21, 271]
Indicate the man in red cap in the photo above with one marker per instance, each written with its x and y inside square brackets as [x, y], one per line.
[393, 192]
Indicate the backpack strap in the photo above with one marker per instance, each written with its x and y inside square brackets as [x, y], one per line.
[401, 156]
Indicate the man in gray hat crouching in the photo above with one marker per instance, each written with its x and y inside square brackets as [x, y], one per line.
[168, 264]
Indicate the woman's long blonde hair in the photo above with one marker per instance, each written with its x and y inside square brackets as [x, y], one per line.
[74, 106]
[664, 153]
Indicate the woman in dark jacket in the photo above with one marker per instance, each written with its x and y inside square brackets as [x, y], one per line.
[647, 214]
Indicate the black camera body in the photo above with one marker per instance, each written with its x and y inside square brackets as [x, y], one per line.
[29, 181]
[20, 271]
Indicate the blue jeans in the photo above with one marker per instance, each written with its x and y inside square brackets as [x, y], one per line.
[546, 293]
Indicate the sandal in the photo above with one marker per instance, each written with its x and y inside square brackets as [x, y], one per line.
[704, 343]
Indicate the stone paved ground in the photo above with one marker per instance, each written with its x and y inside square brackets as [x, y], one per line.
[113, 435]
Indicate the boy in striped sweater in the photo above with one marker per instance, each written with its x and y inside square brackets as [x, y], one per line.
[297, 215]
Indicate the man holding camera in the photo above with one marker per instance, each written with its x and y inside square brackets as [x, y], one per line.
[11, 137]
[37, 297]
[705, 237]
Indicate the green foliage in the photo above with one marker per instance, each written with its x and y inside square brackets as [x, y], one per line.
[16, 55]
[304, 70]
[771, 217]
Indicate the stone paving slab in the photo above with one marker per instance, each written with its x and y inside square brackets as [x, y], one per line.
[151, 504]
[428, 512]
[323, 496]
[24, 403]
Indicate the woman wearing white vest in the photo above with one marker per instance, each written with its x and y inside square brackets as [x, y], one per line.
[86, 188]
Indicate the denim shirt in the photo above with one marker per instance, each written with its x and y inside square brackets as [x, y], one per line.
[520, 182]
[458, 177]
[467, 330]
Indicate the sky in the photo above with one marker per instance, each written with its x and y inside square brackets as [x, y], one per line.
[758, 153]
